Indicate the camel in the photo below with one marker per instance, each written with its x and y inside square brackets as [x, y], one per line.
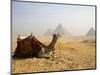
[32, 47]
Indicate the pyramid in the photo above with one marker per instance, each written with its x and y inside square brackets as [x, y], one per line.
[48, 32]
[61, 30]
[91, 32]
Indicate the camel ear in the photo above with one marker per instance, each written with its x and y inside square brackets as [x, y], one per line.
[54, 34]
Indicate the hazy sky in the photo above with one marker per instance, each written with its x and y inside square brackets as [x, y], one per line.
[39, 17]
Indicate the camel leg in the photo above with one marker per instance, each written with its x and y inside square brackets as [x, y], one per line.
[41, 53]
[52, 55]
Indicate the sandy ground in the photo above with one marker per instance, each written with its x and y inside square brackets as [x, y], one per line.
[71, 53]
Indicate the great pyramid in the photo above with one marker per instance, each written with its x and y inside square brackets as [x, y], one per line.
[91, 32]
[61, 30]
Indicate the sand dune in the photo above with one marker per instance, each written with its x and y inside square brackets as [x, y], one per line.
[70, 54]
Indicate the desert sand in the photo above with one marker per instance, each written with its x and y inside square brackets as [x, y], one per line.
[71, 53]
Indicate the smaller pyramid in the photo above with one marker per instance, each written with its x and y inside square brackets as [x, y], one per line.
[91, 32]
[48, 32]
